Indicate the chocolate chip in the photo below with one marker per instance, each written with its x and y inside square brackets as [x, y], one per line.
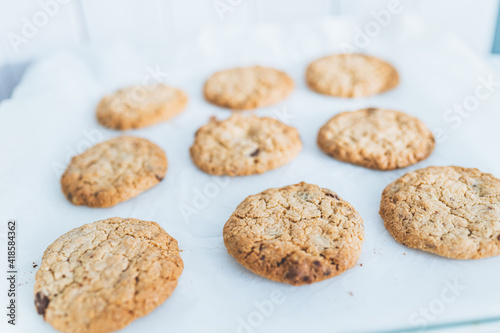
[328, 272]
[498, 237]
[281, 262]
[255, 153]
[291, 274]
[160, 178]
[336, 197]
[306, 279]
[316, 263]
[41, 303]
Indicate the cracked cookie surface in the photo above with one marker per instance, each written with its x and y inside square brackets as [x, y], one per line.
[376, 138]
[450, 211]
[246, 88]
[298, 234]
[101, 276]
[113, 171]
[351, 75]
[241, 145]
[140, 106]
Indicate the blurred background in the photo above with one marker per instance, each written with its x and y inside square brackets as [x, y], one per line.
[32, 28]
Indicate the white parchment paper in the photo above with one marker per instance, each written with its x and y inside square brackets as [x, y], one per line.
[51, 117]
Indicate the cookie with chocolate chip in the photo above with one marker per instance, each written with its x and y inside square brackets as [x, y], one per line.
[140, 106]
[100, 277]
[450, 211]
[351, 75]
[246, 88]
[297, 234]
[244, 145]
[113, 171]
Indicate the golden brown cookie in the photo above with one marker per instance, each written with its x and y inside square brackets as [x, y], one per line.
[101, 276]
[247, 87]
[140, 106]
[450, 211]
[297, 234]
[351, 75]
[376, 138]
[113, 171]
[240, 146]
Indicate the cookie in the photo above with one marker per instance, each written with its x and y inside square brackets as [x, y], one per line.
[450, 211]
[113, 171]
[297, 234]
[101, 276]
[376, 138]
[351, 75]
[240, 146]
[247, 87]
[140, 106]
